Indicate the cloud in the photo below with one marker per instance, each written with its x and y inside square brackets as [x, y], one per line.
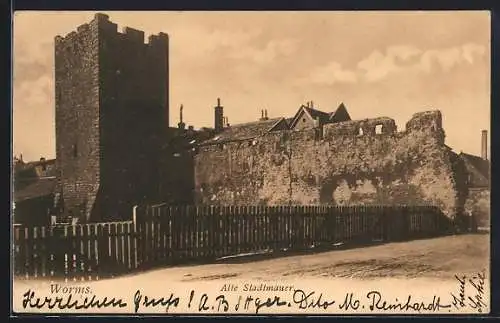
[273, 50]
[378, 66]
[451, 57]
[31, 60]
[332, 73]
[195, 42]
[395, 60]
[471, 49]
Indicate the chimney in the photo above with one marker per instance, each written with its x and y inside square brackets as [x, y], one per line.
[181, 124]
[219, 117]
[263, 115]
[484, 144]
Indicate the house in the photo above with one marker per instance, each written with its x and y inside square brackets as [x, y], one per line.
[478, 171]
[248, 130]
[308, 117]
[478, 180]
[34, 191]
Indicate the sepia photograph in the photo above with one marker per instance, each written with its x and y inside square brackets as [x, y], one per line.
[250, 162]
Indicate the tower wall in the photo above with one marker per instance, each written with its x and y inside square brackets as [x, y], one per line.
[112, 105]
[77, 119]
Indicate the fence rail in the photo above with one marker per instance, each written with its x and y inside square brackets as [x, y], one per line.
[164, 235]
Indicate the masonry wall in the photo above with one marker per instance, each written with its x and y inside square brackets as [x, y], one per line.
[335, 166]
[134, 105]
[111, 113]
[77, 118]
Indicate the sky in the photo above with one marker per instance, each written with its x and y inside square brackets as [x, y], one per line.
[391, 64]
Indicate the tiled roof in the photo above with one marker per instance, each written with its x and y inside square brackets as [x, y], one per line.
[340, 114]
[36, 169]
[481, 165]
[243, 131]
[317, 114]
[39, 188]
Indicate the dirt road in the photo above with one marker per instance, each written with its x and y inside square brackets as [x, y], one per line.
[420, 267]
[438, 258]
[431, 258]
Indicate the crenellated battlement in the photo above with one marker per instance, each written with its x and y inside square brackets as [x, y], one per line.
[103, 76]
[102, 23]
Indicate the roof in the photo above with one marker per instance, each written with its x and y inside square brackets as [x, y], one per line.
[40, 188]
[30, 169]
[244, 131]
[315, 114]
[340, 114]
[481, 165]
[30, 164]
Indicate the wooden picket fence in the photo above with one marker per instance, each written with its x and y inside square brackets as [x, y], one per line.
[166, 235]
[81, 251]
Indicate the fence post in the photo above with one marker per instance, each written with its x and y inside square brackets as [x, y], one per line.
[134, 216]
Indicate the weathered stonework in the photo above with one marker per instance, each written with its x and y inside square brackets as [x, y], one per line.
[478, 204]
[111, 104]
[335, 164]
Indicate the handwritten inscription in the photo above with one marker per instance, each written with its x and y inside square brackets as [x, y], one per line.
[468, 294]
[68, 301]
[309, 300]
[378, 302]
[145, 301]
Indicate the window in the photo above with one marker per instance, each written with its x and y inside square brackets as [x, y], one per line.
[75, 150]
[303, 119]
[360, 132]
[378, 129]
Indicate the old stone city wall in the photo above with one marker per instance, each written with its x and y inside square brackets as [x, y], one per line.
[338, 164]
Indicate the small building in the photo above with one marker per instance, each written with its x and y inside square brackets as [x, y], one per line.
[309, 117]
[34, 192]
[478, 180]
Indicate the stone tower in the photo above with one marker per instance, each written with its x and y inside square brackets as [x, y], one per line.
[111, 115]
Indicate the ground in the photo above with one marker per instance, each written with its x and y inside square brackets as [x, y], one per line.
[430, 258]
[421, 268]
[438, 258]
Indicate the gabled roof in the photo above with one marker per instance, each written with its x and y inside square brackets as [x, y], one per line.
[244, 131]
[313, 113]
[481, 165]
[39, 188]
[317, 114]
[282, 124]
[340, 114]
